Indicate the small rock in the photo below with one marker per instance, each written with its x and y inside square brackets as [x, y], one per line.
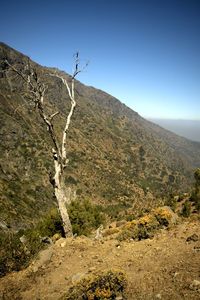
[77, 277]
[158, 296]
[63, 244]
[60, 241]
[34, 269]
[119, 298]
[3, 225]
[195, 285]
[193, 238]
[23, 239]
[176, 274]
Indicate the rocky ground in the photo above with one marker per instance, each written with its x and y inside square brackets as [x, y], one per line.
[165, 267]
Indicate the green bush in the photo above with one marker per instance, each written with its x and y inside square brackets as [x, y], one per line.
[85, 216]
[130, 217]
[12, 254]
[109, 285]
[171, 202]
[127, 234]
[197, 176]
[196, 193]
[116, 211]
[50, 224]
[195, 198]
[140, 229]
[15, 255]
[186, 210]
[146, 226]
[164, 216]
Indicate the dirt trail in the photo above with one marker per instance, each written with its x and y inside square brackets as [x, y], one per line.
[165, 267]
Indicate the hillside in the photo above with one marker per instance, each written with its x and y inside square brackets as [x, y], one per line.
[117, 158]
[165, 267]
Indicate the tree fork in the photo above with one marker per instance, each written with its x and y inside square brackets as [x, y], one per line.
[37, 91]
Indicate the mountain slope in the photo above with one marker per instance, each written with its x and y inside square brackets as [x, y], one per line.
[165, 267]
[116, 156]
[189, 129]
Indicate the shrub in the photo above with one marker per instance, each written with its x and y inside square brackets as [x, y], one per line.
[197, 176]
[130, 217]
[171, 202]
[146, 226]
[196, 193]
[50, 224]
[85, 216]
[15, 255]
[12, 253]
[163, 215]
[196, 198]
[186, 210]
[116, 211]
[140, 229]
[109, 285]
[127, 234]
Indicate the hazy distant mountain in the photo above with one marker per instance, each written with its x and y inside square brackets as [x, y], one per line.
[187, 128]
[115, 155]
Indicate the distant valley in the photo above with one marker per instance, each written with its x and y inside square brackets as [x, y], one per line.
[189, 129]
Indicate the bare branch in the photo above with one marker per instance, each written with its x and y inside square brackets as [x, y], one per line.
[64, 82]
[37, 91]
[20, 74]
[77, 68]
[68, 120]
[53, 115]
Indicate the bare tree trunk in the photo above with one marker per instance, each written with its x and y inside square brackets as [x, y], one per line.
[62, 200]
[37, 91]
[62, 196]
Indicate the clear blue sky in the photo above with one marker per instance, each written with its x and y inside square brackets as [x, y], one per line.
[146, 53]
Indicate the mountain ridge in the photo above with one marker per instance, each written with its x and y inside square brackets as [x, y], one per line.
[190, 129]
[116, 156]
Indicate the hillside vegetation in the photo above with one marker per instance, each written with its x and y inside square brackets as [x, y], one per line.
[135, 198]
[117, 158]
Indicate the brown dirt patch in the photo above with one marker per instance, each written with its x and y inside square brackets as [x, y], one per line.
[160, 268]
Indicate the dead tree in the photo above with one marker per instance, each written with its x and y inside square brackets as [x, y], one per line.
[36, 90]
